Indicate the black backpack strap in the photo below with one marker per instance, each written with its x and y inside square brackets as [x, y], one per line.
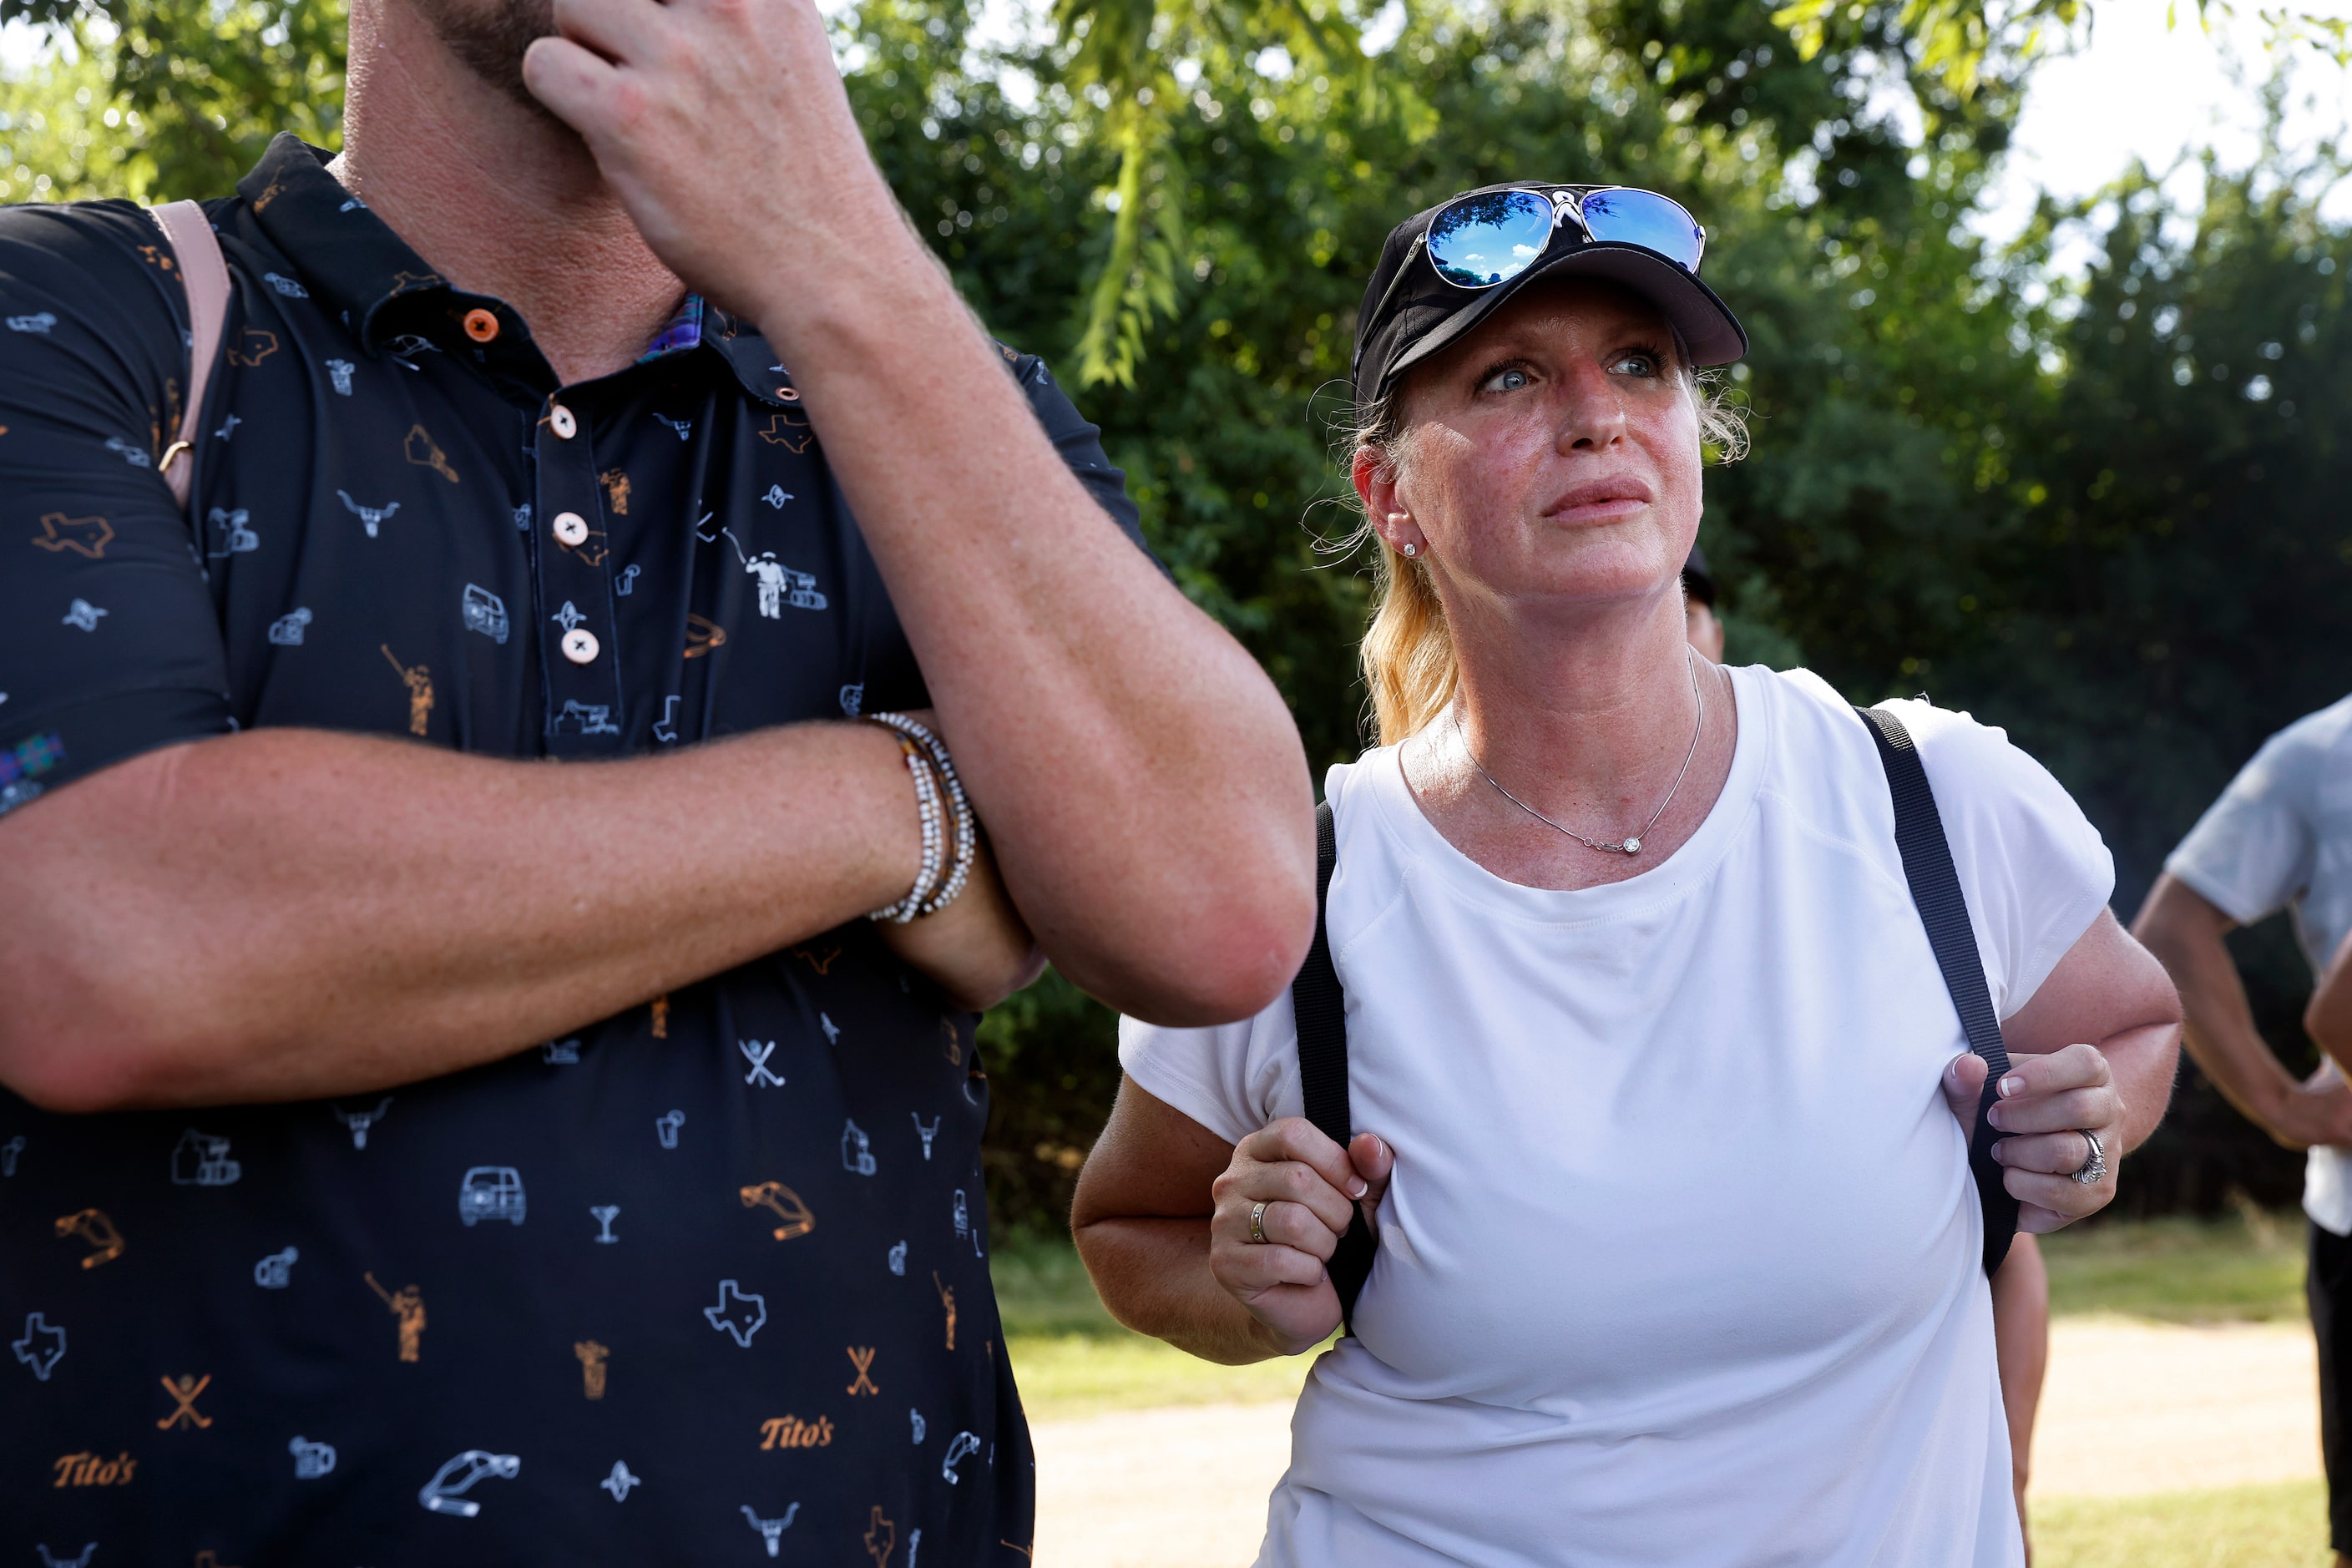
[1944, 911]
[1322, 1009]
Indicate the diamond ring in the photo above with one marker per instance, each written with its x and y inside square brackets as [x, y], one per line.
[2094, 1169]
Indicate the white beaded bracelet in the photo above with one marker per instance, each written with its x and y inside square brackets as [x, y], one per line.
[932, 891]
[927, 807]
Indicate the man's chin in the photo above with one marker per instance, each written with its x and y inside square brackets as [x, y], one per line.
[489, 37]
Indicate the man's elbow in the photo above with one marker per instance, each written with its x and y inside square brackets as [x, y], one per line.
[66, 1074]
[1226, 965]
[78, 1044]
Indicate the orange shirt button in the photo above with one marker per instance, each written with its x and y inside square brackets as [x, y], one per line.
[482, 326]
[559, 420]
[571, 528]
[579, 645]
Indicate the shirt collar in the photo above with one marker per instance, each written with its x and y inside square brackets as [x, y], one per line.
[357, 268]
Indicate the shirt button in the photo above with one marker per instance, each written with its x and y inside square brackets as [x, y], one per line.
[559, 420]
[481, 325]
[579, 645]
[571, 528]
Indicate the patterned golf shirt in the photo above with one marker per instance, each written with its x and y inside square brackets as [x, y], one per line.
[706, 1282]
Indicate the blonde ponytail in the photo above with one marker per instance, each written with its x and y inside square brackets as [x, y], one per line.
[1408, 651]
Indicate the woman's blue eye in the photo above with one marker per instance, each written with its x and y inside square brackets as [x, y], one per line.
[1506, 380]
[1638, 365]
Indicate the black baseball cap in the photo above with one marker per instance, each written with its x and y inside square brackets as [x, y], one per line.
[1406, 319]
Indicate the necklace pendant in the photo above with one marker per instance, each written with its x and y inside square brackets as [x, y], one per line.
[1631, 847]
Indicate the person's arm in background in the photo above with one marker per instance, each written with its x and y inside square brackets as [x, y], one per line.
[2328, 1019]
[2187, 934]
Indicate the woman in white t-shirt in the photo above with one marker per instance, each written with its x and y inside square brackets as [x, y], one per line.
[1679, 1256]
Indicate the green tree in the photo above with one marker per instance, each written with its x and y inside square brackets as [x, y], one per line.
[156, 99]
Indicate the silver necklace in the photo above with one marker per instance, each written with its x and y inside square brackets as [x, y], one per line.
[1629, 846]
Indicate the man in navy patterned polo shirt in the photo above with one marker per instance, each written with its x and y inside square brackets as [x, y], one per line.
[411, 1152]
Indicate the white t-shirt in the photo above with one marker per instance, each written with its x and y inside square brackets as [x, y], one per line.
[2281, 838]
[1680, 1263]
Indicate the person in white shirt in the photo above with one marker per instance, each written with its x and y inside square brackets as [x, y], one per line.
[1680, 1263]
[2280, 838]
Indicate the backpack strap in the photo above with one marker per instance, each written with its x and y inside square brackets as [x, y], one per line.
[204, 275]
[1322, 1008]
[1944, 911]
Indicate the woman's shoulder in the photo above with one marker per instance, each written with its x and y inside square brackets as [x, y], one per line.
[2033, 868]
[1373, 814]
[1985, 785]
[1814, 723]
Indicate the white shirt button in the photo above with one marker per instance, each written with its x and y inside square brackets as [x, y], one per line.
[571, 528]
[579, 645]
[559, 420]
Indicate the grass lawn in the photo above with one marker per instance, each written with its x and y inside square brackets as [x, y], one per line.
[2281, 1526]
[2247, 1268]
[1073, 1360]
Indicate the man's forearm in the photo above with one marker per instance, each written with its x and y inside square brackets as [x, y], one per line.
[287, 914]
[2186, 935]
[1141, 778]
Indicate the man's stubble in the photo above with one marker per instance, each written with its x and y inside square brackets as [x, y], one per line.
[490, 39]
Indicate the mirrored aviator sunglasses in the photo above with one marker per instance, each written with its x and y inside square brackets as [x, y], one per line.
[1480, 241]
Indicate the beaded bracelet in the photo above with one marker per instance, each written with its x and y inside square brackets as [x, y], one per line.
[927, 807]
[966, 840]
[933, 892]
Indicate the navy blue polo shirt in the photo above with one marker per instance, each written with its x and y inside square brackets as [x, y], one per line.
[707, 1281]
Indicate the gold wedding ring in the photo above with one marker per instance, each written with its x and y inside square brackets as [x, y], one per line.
[1258, 1223]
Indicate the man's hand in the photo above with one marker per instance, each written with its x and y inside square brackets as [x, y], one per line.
[723, 127]
[1310, 1186]
[2328, 1018]
[2317, 1112]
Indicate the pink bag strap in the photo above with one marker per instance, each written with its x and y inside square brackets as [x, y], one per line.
[204, 275]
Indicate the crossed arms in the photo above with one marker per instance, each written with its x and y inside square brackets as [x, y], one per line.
[289, 914]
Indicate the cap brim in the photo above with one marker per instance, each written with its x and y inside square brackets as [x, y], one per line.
[1709, 330]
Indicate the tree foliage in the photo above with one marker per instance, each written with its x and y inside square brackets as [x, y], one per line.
[160, 98]
[2098, 515]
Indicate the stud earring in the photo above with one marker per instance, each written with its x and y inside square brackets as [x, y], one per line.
[1411, 550]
